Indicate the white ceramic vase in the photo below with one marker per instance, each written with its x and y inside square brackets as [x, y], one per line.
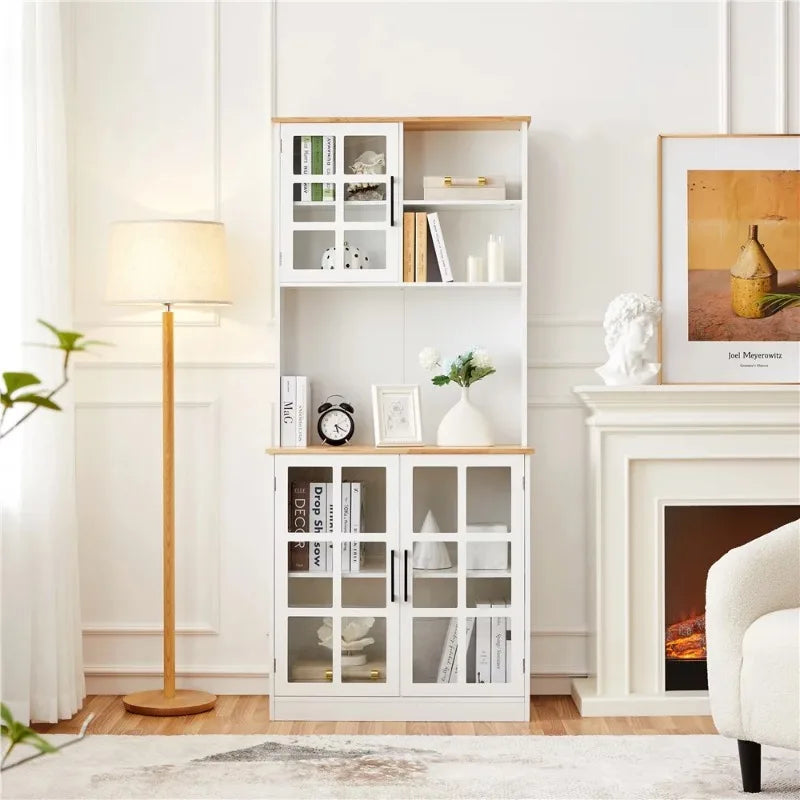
[464, 425]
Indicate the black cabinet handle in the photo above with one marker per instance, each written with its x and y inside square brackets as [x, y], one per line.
[391, 570]
[405, 575]
[391, 201]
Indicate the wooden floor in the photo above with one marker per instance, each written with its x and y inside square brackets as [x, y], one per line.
[550, 715]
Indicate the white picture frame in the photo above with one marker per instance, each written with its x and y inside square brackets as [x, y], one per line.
[396, 415]
[703, 340]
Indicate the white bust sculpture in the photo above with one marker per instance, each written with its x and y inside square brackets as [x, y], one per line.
[630, 323]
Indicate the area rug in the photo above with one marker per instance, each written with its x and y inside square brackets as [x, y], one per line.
[378, 767]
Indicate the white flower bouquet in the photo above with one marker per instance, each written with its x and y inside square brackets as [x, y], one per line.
[463, 370]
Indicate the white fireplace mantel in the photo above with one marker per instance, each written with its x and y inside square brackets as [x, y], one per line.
[651, 447]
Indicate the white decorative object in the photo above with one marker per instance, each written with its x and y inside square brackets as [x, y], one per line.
[629, 323]
[494, 259]
[464, 425]
[431, 555]
[476, 272]
[488, 555]
[353, 258]
[429, 524]
[369, 163]
[396, 415]
[353, 639]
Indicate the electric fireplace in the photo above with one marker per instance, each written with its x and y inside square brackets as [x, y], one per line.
[694, 538]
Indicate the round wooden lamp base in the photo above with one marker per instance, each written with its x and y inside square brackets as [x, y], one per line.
[157, 704]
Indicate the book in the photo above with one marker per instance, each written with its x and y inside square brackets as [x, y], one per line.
[329, 524]
[288, 410]
[499, 627]
[439, 247]
[356, 509]
[420, 247]
[316, 167]
[346, 546]
[305, 166]
[470, 630]
[448, 657]
[301, 411]
[328, 167]
[317, 524]
[483, 646]
[408, 246]
[298, 523]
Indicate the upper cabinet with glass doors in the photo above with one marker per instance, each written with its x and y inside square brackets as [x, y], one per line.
[340, 220]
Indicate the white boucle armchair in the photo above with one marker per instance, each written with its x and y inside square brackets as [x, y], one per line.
[753, 644]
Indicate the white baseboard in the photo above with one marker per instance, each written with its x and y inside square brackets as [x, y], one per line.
[227, 680]
[123, 680]
[551, 684]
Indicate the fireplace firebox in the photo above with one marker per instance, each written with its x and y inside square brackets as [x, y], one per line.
[694, 538]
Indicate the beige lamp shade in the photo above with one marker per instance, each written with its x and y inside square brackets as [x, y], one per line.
[180, 262]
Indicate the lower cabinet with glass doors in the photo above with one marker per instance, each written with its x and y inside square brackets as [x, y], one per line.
[401, 585]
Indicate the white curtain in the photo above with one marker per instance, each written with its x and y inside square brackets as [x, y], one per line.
[42, 678]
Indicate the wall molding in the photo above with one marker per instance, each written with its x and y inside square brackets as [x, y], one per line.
[724, 70]
[557, 364]
[554, 402]
[157, 670]
[94, 365]
[782, 66]
[146, 629]
[563, 321]
[213, 626]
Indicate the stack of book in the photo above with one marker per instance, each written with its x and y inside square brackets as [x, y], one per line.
[315, 156]
[295, 394]
[491, 641]
[415, 247]
[311, 510]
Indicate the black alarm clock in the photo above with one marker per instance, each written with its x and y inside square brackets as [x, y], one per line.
[335, 425]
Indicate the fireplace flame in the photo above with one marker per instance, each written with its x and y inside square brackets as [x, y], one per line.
[687, 639]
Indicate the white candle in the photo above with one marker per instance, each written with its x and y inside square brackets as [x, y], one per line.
[475, 273]
[494, 258]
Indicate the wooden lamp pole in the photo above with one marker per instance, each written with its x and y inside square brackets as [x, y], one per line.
[168, 262]
[169, 701]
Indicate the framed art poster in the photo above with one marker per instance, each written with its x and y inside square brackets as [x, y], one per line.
[729, 239]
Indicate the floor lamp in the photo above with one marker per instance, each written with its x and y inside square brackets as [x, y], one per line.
[168, 263]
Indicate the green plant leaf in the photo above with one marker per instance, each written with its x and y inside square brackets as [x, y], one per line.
[18, 380]
[5, 714]
[67, 340]
[37, 400]
[440, 380]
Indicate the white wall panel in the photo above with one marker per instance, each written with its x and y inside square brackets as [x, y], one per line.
[119, 493]
[144, 126]
[754, 75]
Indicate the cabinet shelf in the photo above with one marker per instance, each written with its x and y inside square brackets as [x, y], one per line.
[436, 285]
[452, 572]
[331, 203]
[465, 205]
[425, 449]
[364, 573]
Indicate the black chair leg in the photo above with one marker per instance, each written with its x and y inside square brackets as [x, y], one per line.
[750, 762]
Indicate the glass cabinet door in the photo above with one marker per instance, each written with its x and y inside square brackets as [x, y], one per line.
[336, 617]
[341, 221]
[462, 536]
